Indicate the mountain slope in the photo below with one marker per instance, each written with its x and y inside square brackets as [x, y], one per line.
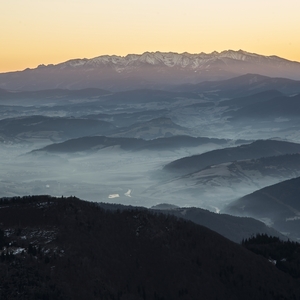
[148, 70]
[155, 128]
[233, 228]
[276, 107]
[71, 249]
[216, 186]
[95, 143]
[276, 204]
[50, 96]
[52, 128]
[254, 150]
[242, 86]
[251, 99]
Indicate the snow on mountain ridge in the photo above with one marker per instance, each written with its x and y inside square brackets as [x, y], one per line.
[169, 59]
[149, 70]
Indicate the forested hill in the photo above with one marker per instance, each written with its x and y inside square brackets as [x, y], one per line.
[66, 248]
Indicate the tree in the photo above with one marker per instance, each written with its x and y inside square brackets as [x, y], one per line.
[2, 239]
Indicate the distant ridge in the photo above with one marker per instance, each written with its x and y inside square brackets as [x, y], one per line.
[257, 149]
[96, 143]
[148, 70]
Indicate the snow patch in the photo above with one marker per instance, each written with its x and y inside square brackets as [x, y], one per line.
[128, 193]
[112, 196]
[295, 218]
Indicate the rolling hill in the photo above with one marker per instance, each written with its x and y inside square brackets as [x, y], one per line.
[277, 205]
[257, 149]
[215, 186]
[50, 128]
[96, 143]
[233, 228]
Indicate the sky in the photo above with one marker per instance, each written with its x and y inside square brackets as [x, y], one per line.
[35, 32]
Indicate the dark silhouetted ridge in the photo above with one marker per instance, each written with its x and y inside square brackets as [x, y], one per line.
[71, 249]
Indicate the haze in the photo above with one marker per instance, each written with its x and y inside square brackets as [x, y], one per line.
[130, 171]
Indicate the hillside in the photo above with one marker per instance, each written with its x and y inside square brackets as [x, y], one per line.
[155, 128]
[281, 106]
[284, 254]
[257, 149]
[35, 128]
[233, 228]
[243, 86]
[71, 249]
[277, 204]
[50, 96]
[96, 143]
[215, 186]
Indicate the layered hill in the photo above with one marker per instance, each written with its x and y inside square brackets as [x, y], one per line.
[154, 128]
[50, 96]
[243, 85]
[233, 228]
[96, 143]
[255, 98]
[125, 119]
[277, 205]
[71, 249]
[148, 70]
[216, 185]
[257, 149]
[50, 128]
[277, 107]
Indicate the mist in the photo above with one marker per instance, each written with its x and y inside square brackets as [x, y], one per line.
[92, 177]
[140, 132]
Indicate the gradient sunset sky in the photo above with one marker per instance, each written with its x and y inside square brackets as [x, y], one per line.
[37, 32]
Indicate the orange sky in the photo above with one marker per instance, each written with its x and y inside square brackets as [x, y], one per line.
[37, 32]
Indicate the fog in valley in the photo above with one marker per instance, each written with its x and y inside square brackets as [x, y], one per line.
[105, 176]
[145, 131]
[140, 161]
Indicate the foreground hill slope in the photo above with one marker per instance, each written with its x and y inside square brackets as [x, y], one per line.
[233, 228]
[71, 249]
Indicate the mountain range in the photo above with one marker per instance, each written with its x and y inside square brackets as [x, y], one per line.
[159, 145]
[148, 70]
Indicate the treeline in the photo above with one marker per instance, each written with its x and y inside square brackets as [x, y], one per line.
[30, 199]
[285, 254]
[65, 248]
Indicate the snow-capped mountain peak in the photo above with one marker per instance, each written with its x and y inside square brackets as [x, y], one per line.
[149, 70]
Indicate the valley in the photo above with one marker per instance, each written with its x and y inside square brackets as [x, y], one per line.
[203, 144]
[150, 150]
